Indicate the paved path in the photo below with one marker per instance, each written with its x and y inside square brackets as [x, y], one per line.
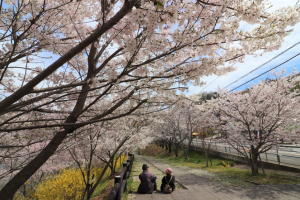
[201, 187]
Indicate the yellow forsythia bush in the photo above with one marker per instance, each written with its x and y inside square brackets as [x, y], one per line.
[69, 183]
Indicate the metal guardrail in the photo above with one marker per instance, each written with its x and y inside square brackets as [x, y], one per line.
[278, 157]
[121, 180]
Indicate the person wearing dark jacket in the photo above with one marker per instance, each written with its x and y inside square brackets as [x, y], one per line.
[166, 179]
[148, 181]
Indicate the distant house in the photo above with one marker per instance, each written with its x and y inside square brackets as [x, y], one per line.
[195, 135]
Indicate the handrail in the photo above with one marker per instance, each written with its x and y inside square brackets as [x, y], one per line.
[121, 180]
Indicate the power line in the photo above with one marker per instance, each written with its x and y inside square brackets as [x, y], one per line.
[267, 71]
[262, 64]
[209, 84]
[214, 80]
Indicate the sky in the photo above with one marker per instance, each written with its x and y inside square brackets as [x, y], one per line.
[250, 62]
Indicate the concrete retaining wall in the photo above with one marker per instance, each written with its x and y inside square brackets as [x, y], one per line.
[267, 165]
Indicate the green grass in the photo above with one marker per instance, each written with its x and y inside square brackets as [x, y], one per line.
[102, 185]
[226, 175]
[195, 159]
[246, 175]
[132, 186]
[260, 179]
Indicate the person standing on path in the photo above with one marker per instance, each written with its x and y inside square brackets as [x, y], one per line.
[148, 181]
[168, 179]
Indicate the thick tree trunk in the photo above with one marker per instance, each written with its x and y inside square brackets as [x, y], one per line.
[205, 151]
[116, 161]
[112, 170]
[210, 160]
[262, 165]
[186, 153]
[254, 163]
[176, 150]
[19, 179]
[206, 156]
[185, 156]
[162, 145]
[89, 194]
[170, 147]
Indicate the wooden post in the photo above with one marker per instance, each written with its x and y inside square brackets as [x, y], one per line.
[128, 168]
[125, 174]
[121, 181]
[118, 180]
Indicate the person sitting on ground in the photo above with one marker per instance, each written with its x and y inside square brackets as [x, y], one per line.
[168, 179]
[148, 181]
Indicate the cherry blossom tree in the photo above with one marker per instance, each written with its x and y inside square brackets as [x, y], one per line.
[255, 120]
[206, 130]
[116, 58]
[163, 133]
[83, 149]
[125, 133]
[131, 128]
[179, 123]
